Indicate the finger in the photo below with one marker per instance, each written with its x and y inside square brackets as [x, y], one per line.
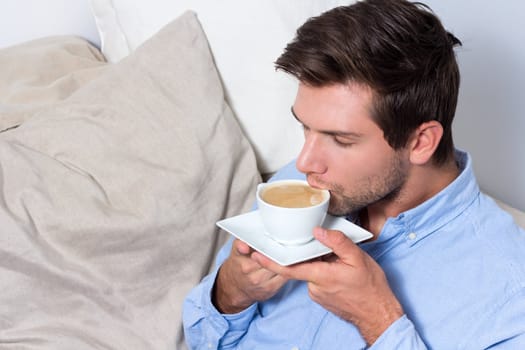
[342, 246]
[262, 275]
[276, 282]
[305, 271]
[264, 261]
[241, 248]
[331, 257]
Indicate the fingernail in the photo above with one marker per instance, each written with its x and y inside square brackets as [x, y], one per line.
[320, 233]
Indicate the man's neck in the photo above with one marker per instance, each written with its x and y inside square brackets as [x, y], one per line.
[423, 183]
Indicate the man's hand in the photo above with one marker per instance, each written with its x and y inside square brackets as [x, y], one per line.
[349, 283]
[241, 281]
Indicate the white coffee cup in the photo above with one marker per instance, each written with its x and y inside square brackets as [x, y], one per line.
[288, 215]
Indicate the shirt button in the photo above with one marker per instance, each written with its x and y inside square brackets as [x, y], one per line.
[295, 348]
[412, 236]
[210, 345]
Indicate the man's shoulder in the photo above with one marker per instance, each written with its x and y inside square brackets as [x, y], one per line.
[497, 213]
[496, 231]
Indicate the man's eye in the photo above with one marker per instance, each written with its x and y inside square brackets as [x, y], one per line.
[342, 143]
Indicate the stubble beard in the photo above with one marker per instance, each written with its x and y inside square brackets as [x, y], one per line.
[382, 187]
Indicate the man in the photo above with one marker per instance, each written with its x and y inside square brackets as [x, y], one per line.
[378, 85]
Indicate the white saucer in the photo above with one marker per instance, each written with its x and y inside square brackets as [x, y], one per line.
[249, 229]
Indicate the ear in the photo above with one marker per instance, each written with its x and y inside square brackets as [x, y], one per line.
[425, 141]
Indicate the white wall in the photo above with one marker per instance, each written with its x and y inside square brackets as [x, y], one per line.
[22, 20]
[490, 121]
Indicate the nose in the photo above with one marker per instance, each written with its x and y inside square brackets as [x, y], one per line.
[311, 159]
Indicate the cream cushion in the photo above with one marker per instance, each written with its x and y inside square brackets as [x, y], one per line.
[41, 72]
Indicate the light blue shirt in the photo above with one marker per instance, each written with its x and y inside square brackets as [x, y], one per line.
[456, 263]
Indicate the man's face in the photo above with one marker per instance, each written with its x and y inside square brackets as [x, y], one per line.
[344, 150]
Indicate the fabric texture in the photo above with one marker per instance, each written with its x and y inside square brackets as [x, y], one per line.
[518, 215]
[41, 72]
[455, 262]
[244, 47]
[110, 196]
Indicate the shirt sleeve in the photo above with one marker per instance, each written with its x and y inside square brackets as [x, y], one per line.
[504, 328]
[204, 326]
[400, 335]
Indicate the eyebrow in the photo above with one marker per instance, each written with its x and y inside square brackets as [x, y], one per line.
[329, 132]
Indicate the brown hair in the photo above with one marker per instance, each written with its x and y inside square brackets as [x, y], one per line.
[399, 49]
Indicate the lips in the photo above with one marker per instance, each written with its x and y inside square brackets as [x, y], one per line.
[316, 183]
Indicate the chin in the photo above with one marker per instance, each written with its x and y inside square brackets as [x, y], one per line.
[343, 206]
[336, 209]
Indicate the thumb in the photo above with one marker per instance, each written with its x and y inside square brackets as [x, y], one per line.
[341, 245]
[242, 248]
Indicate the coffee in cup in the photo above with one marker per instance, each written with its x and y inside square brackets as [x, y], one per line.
[290, 209]
[292, 195]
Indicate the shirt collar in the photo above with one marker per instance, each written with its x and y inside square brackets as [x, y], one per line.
[417, 223]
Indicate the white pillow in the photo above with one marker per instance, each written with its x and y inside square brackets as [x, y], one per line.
[245, 37]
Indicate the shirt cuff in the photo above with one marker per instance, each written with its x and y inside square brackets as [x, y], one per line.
[236, 323]
[400, 335]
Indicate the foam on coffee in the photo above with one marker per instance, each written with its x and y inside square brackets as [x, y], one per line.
[292, 196]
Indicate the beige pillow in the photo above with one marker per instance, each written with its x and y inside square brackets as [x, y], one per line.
[112, 197]
[41, 72]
